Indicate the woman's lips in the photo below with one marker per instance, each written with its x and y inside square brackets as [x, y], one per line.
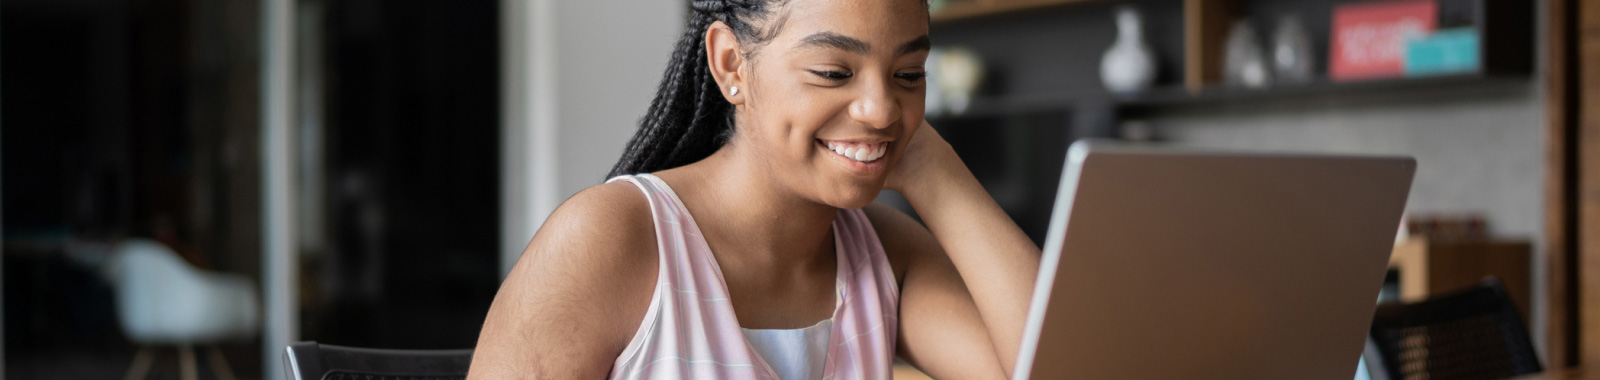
[871, 155]
[858, 151]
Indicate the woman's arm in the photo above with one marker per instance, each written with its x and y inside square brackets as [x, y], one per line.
[996, 262]
[941, 332]
[575, 298]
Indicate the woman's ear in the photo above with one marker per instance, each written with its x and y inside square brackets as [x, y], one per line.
[725, 58]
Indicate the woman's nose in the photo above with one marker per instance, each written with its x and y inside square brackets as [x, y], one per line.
[876, 107]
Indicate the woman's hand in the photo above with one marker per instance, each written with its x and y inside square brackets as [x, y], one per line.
[926, 158]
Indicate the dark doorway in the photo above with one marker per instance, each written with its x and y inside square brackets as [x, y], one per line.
[412, 175]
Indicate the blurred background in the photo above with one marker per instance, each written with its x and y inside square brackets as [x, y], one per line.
[142, 120]
[189, 185]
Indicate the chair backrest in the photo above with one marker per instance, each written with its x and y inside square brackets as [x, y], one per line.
[162, 299]
[1470, 334]
[313, 361]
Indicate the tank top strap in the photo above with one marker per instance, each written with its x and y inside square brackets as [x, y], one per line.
[676, 233]
[690, 330]
[867, 320]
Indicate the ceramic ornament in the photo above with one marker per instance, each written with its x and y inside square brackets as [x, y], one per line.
[1129, 65]
[1291, 51]
[1245, 63]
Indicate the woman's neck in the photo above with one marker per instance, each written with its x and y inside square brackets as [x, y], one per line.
[749, 218]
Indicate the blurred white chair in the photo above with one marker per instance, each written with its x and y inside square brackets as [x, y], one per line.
[164, 301]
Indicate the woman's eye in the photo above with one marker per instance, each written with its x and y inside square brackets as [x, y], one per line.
[912, 77]
[832, 75]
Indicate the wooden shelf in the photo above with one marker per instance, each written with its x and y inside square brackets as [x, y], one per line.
[1205, 25]
[1321, 88]
[1022, 104]
[1171, 96]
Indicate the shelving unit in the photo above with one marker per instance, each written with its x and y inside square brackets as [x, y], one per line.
[1505, 29]
[1042, 87]
[1206, 24]
[1157, 99]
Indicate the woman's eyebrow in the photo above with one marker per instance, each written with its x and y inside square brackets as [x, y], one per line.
[915, 45]
[833, 40]
[836, 41]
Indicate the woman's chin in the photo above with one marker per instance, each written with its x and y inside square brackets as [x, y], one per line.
[848, 189]
[854, 197]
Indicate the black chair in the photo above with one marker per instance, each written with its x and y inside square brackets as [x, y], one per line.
[312, 361]
[1470, 334]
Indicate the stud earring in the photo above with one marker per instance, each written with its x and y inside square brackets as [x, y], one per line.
[734, 91]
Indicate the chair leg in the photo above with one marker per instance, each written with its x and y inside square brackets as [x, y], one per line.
[187, 370]
[141, 364]
[219, 364]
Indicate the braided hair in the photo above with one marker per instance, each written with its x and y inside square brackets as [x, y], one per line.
[689, 119]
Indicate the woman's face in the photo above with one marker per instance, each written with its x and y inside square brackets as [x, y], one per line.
[833, 98]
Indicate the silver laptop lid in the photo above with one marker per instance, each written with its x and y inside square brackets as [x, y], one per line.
[1184, 264]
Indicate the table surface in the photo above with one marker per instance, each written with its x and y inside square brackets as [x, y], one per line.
[1555, 374]
[905, 371]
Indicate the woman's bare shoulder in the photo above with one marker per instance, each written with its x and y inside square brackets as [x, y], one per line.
[602, 223]
[579, 291]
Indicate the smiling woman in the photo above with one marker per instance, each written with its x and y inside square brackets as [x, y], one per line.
[738, 238]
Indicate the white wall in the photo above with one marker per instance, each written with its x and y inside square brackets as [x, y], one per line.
[611, 55]
[281, 322]
[1477, 153]
[579, 74]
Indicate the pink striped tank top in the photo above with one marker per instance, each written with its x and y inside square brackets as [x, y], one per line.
[691, 332]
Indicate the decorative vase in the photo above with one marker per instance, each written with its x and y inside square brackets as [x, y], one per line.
[1129, 65]
[1291, 51]
[1245, 65]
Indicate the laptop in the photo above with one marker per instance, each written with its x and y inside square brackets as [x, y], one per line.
[1168, 264]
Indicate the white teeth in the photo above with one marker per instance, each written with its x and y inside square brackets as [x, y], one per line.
[859, 152]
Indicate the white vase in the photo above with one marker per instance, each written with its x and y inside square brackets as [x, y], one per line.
[1245, 64]
[1291, 51]
[1129, 66]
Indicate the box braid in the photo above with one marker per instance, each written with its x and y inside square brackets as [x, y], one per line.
[689, 119]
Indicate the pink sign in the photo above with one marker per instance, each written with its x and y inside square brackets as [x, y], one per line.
[1369, 39]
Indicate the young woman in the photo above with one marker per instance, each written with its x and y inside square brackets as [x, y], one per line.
[738, 239]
